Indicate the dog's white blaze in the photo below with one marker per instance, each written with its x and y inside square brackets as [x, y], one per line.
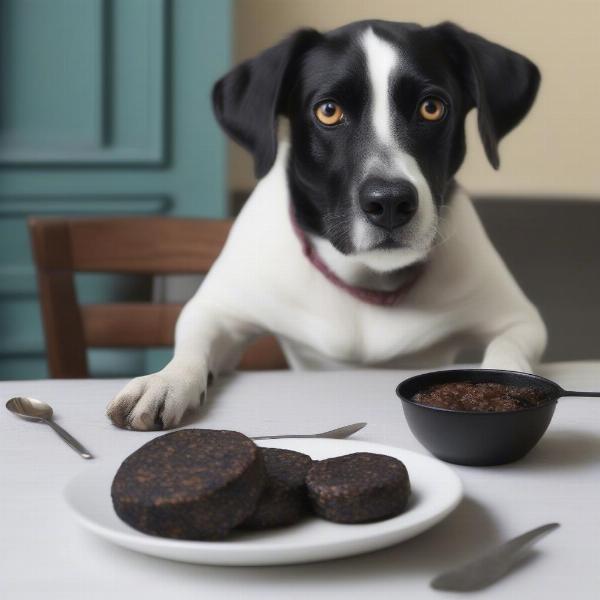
[382, 59]
[388, 158]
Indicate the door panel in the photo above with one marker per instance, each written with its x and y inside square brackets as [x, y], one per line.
[104, 109]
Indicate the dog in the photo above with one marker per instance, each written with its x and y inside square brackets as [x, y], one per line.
[357, 247]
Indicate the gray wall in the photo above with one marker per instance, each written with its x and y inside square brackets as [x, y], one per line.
[553, 249]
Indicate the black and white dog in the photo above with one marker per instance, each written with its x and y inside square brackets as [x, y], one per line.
[356, 247]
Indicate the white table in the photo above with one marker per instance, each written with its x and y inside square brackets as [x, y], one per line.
[45, 554]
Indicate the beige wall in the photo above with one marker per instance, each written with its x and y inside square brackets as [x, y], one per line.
[555, 151]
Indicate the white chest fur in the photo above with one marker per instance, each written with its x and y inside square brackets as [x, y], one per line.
[264, 279]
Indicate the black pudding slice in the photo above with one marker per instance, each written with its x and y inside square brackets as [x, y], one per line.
[194, 484]
[284, 500]
[357, 488]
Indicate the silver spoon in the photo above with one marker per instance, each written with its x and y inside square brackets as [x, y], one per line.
[36, 410]
[339, 434]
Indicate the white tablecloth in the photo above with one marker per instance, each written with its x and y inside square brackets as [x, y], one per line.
[45, 554]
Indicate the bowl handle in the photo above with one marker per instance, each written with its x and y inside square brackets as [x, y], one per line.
[587, 394]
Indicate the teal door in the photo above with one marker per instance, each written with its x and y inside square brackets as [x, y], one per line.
[104, 109]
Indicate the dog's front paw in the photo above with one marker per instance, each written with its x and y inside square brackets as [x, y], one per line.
[158, 401]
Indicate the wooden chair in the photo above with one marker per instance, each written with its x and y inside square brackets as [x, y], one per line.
[147, 245]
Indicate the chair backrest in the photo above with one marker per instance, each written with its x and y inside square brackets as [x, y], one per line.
[146, 245]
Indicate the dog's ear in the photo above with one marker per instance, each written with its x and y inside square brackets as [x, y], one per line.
[502, 84]
[248, 99]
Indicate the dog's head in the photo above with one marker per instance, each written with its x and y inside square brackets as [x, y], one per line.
[376, 112]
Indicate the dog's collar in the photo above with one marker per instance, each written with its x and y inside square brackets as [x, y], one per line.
[376, 297]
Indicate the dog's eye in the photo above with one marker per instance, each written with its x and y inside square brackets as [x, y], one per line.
[329, 113]
[432, 109]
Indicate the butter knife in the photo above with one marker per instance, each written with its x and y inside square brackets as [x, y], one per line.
[494, 564]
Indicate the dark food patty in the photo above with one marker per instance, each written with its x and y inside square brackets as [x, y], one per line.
[193, 484]
[358, 487]
[284, 500]
[480, 397]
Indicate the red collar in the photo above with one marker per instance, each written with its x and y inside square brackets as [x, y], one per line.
[377, 297]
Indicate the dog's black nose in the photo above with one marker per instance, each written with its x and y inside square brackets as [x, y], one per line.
[388, 203]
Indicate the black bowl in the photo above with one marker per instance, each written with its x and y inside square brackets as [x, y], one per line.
[478, 438]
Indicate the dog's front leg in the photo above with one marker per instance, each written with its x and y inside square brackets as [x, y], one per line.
[206, 341]
[518, 347]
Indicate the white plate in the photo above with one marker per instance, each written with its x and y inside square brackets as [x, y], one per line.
[436, 492]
